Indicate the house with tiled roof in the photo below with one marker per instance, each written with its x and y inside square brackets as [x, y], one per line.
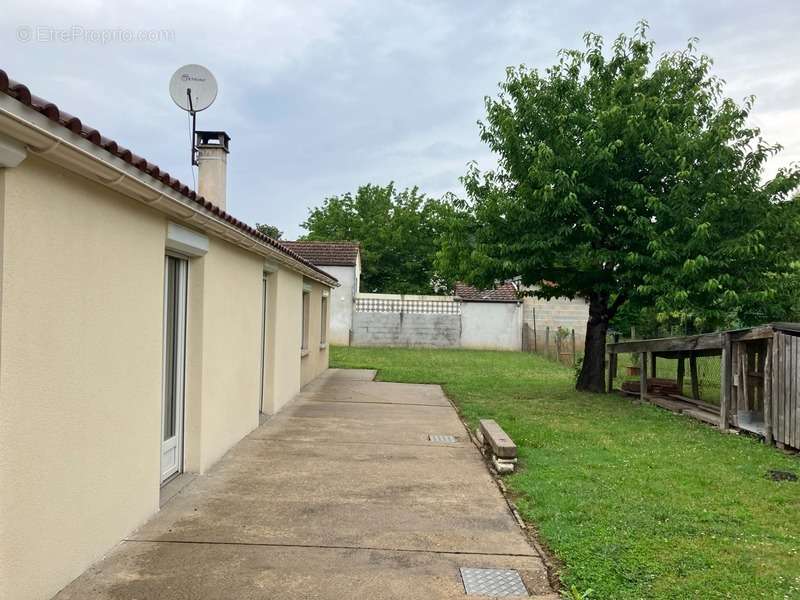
[504, 292]
[343, 261]
[145, 330]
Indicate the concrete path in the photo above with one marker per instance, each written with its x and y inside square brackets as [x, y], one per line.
[339, 496]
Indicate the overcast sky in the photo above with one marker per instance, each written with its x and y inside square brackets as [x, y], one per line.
[322, 97]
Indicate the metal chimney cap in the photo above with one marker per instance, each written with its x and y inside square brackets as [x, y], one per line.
[212, 139]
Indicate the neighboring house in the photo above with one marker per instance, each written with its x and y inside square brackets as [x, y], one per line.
[143, 332]
[343, 261]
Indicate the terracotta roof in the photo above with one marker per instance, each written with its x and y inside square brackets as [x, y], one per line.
[22, 94]
[505, 292]
[327, 254]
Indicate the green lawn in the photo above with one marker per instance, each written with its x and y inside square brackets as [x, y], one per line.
[634, 501]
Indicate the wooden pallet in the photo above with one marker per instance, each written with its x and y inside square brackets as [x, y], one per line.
[706, 406]
[674, 405]
[702, 415]
[681, 407]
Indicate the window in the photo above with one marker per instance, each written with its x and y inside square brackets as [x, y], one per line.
[323, 328]
[306, 308]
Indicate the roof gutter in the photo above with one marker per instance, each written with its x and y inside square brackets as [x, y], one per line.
[54, 143]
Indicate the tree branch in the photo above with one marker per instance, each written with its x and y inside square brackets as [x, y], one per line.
[621, 298]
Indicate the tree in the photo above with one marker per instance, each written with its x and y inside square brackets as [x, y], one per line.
[398, 232]
[626, 178]
[269, 230]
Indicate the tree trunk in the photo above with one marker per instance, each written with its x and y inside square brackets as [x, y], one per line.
[592, 376]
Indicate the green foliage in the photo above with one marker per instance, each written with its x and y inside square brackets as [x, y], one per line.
[269, 230]
[575, 594]
[624, 176]
[636, 502]
[398, 231]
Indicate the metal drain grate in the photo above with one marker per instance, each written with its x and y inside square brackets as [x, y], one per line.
[442, 439]
[499, 583]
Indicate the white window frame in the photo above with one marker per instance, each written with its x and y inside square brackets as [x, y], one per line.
[264, 325]
[323, 314]
[168, 472]
[305, 324]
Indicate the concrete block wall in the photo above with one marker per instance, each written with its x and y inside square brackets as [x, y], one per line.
[406, 329]
[539, 314]
[436, 322]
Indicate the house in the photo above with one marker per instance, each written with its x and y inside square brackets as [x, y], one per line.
[143, 332]
[343, 261]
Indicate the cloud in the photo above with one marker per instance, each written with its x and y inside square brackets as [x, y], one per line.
[321, 97]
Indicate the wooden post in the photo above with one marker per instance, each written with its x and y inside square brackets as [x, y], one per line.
[612, 366]
[643, 377]
[681, 374]
[633, 333]
[725, 383]
[653, 364]
[547, 341]
[743, 401]
[693, 375]
[574, 354]
[533, 312]
[768, 394]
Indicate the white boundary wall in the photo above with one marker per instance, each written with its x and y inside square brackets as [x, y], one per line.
[491, 325]
[435, 321]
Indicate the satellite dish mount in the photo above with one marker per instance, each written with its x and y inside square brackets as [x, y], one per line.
[193, 88]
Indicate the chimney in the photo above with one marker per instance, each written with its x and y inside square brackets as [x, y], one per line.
[212, 165]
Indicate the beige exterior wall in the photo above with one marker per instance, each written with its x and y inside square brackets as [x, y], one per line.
[283, 339]
[231, 347]
[80, 375]
[316, 360]
[81, 343]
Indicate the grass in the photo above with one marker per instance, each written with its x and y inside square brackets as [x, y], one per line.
[635, 502]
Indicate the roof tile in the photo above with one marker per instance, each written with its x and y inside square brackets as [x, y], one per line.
[329, 254]
[50, 110]
[505, 292]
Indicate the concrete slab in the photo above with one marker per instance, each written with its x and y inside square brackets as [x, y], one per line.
[192, 571]
[502, 445]
[340, 390]
[329, 499]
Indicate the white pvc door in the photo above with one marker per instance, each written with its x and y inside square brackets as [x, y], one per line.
[263, 369]
[174, 366]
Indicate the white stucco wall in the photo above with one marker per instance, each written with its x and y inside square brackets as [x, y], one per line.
[491, 325]
[342, 304]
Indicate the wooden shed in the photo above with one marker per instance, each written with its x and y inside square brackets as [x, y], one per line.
[759, 382]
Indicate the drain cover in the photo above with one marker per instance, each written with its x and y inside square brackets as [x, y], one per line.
[442, 439]
[499, 583]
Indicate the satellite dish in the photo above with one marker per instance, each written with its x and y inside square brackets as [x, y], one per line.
[193, 88]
